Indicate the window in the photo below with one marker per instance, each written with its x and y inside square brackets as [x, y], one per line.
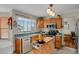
[26, 24]
[33, 25]
[3, 27]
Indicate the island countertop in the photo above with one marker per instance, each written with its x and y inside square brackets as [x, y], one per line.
[46, 48]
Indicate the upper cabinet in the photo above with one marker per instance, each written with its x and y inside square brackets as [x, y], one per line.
[40, 22]
[58, 23]
[49, 21]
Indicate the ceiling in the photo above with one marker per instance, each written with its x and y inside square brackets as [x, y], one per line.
[39, 9]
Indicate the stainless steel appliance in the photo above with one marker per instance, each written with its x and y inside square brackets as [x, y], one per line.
[26, 45]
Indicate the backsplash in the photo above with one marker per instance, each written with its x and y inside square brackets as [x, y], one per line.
[25, 34]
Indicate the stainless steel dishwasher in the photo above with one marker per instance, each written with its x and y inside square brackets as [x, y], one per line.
[26, 45]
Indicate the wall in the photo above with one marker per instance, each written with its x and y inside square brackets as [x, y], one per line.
[3, 19]
[5, 14]
[69, 24]
[71, 18]
[74, 17]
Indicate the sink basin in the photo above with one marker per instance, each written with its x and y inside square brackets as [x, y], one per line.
[37, 45]
[40, 42]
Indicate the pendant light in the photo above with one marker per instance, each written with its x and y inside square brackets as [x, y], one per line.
[50, 10]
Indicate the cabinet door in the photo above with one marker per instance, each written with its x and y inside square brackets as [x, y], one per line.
[58, 42]
[40, 23]
[48, 21]
[34, 38]
[18, 46]
[59, 23]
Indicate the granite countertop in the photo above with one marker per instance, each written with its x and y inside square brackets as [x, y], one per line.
[46, 40]
[28, 34]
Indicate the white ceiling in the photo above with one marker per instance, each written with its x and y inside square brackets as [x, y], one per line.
[39, 9]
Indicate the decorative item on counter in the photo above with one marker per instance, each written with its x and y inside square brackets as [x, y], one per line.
[40, 37]
[40, 40]
[10, 21]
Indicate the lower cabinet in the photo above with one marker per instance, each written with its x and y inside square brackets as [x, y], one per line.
[18, 46]
[22, 46]
[69, 41]
[46, 48]
[58, 41]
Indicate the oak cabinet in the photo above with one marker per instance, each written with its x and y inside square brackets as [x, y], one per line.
[58, 42]
[50, 21]
[22, 46]
[34, 38]
[37, 37]
[69, 41]
[18, 46]
[58, 23]
[45, 48]
[40, 23]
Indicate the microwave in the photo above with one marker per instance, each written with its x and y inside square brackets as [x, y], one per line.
[51, 26]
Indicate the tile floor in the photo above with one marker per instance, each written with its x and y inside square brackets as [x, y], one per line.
[64, 50]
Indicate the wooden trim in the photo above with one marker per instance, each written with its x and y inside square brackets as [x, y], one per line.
[21, 46]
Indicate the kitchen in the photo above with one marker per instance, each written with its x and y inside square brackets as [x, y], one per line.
[41, 35]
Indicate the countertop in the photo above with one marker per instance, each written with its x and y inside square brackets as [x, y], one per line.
[46, 40]
[27, 35]
[46, 48]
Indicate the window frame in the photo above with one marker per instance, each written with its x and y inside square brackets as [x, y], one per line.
[26, 20]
